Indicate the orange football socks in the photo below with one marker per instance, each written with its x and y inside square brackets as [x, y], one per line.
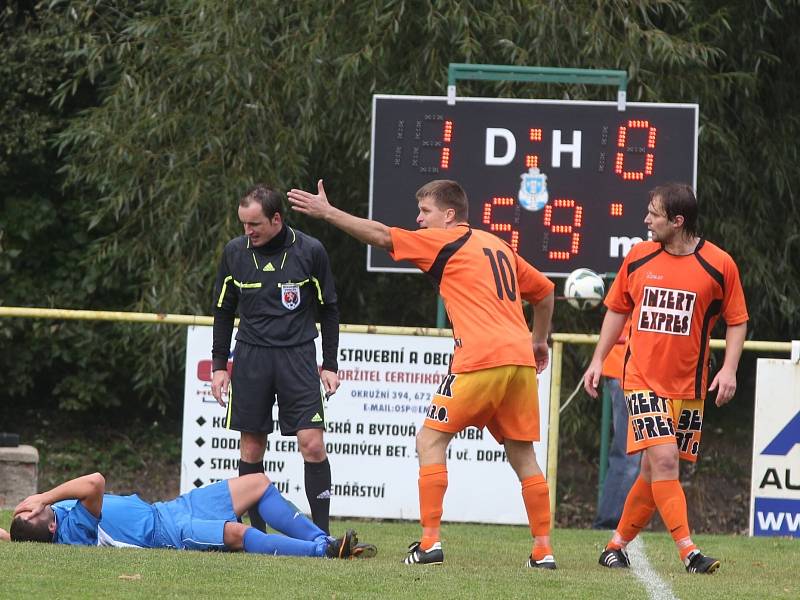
[536, 496]
[637, 512]
[671, 502]
[432, 486]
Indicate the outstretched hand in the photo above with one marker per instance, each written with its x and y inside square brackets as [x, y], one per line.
[313, 205]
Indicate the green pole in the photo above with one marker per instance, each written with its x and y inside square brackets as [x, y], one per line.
[605, 439]
[456, 71]
[605, 429]
[441, 313]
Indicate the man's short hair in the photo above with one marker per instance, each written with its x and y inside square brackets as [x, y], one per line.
[678, 199]
[447, 193]
[271, 201]
[23, 530]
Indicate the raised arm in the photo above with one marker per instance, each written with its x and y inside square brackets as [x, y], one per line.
[316, 205]
[87, 489]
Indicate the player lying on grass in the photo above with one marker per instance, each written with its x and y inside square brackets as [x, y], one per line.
[79, 512]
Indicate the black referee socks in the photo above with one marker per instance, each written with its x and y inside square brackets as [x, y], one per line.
[318, 492]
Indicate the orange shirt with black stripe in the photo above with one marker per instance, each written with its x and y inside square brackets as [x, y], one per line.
[482, 282]
[674, 303]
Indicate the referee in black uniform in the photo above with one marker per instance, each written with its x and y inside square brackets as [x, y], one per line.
[274, 276]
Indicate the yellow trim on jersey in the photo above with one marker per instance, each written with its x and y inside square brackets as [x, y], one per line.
[230, 403]
[319, 289]
[294, 239]
[302, 283]
[224, 288]
[238, 284]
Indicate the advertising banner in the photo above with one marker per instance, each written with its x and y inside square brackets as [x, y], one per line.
[775, 482]
[387, 383]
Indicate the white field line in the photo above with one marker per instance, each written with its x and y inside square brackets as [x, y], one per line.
[657, 588]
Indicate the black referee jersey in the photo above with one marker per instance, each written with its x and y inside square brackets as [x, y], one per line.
[274, 289]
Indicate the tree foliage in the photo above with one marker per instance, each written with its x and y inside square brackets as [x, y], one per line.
[147, 119]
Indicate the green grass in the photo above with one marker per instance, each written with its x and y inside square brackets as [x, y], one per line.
[481, 562]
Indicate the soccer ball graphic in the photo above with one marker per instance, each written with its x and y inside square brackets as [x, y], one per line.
[584, 289]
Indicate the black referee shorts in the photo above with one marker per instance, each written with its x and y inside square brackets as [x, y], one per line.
[262, 374]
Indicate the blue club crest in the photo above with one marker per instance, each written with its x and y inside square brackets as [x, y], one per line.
[533, 190]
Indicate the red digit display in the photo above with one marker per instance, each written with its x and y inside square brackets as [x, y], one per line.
[532, 160]
[447, 136]
[570, 230]
[500, 227]
[649, 157]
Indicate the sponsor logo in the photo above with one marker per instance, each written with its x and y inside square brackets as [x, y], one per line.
[665, 310]
[445, 388]
[776, 516]
[316, 418]
[437, 413]
[268, 267]
[690, 423]
[326, 495]
[650, 419]
[786, 440]
[290, 295]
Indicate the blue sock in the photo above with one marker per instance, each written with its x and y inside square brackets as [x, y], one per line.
[284, 516]
[280, 545]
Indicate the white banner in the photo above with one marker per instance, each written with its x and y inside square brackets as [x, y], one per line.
[775, 481]
[387, 384]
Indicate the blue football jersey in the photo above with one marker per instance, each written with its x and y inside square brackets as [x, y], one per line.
[74, 524]
[125, 521]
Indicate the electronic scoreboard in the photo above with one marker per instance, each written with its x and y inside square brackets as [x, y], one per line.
[565, 183]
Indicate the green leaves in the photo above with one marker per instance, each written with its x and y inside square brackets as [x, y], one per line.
[142, 122]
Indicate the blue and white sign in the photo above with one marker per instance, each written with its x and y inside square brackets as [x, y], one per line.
[775, 486]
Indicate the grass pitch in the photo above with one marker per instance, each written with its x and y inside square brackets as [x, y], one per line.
[481, 561]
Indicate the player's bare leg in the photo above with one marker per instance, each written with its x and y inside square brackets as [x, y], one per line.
[246, 491]
[252, 446]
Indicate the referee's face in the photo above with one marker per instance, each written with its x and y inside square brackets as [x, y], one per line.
[257, 227]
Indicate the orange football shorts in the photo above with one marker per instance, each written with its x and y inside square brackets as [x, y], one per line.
[653, 420]
[504, 399]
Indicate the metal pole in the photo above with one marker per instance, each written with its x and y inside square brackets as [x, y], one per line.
[458, 71]
[552, 435]
[605, 439]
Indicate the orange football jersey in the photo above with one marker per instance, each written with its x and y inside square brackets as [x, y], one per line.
[675, 302]
[482, 281]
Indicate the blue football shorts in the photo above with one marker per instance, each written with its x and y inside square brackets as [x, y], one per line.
[195, 520]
